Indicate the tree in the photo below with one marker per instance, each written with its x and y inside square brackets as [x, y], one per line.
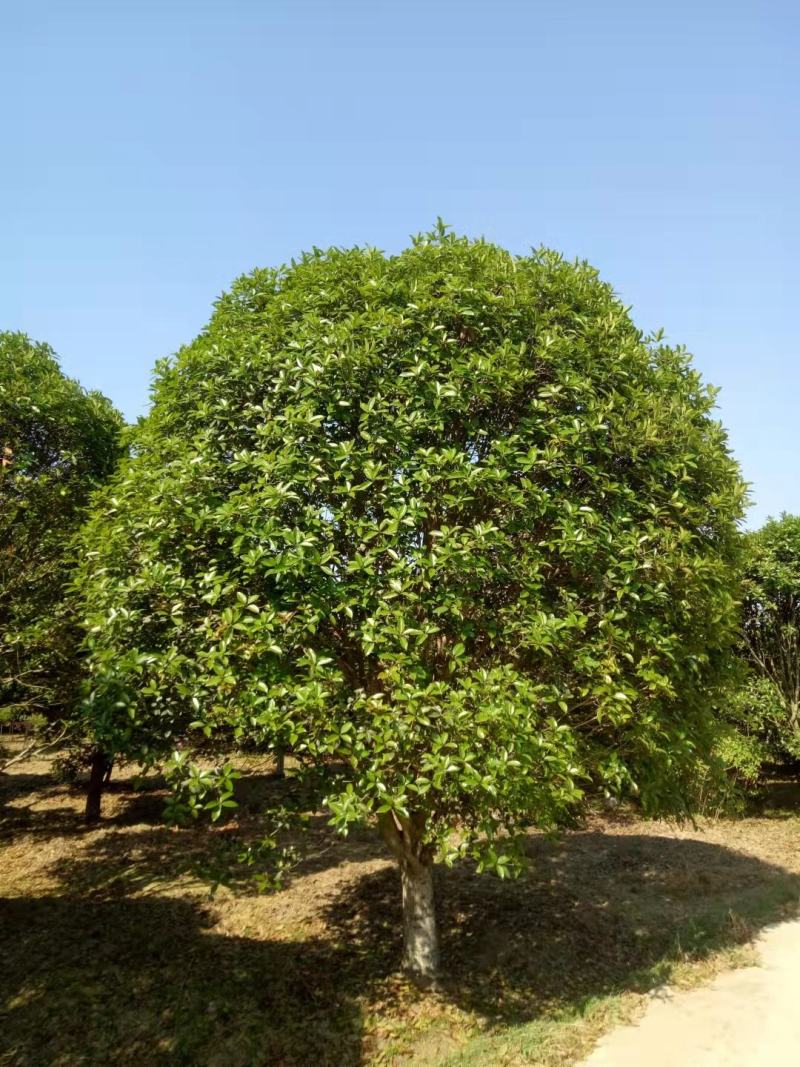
[447, 524]
[771, 629]
[58, 443]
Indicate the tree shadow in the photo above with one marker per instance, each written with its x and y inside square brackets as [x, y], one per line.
[128, 801]
[14, 784]
[778, 794]
[43, 792]
[128, 966]
[59, 806]
[49, 823]
[19, 789]
[125, 858]
[148, 981]
[597, 913]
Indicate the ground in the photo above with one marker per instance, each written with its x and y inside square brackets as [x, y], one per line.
[744, 1018]
[116, 946]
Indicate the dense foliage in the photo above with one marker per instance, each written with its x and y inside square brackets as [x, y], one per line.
[58, 443]
[444, 522]
[770, 699]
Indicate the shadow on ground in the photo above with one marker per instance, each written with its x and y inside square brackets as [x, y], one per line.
[146, 982]
[95, 973]
[778, 794]
[598, 913]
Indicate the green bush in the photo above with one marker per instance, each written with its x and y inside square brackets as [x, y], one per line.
[771, 637]
[745, 742]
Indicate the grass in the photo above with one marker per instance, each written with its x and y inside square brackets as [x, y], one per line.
[114, 948]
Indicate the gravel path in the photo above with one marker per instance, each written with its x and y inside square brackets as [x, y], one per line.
[744, 1018]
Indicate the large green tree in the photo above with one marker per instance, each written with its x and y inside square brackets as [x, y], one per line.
[447, 524]
[58, 443]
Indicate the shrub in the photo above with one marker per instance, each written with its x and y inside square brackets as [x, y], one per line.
[771, 632]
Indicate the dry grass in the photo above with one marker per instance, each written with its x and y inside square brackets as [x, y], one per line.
[114, 950]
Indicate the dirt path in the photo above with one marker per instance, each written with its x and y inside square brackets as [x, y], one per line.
[745, 1018]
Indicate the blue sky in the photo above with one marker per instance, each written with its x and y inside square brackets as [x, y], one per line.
[153, 151]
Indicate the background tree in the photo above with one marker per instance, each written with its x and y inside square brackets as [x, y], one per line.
[446, 522]
[58, 443]
[771, 629]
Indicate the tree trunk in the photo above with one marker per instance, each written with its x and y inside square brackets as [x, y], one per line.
[280, 763]
[100, 769]
[420, 935]
[405, 838]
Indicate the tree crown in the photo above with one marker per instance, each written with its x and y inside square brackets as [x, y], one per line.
[771, 625]
[445, 522]
[57, 443]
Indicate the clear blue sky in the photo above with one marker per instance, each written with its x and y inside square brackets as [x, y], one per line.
[153, 151]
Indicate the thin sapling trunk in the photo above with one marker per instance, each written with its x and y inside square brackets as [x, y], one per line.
[99, 774]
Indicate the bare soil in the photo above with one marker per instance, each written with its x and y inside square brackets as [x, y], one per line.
[117, 944]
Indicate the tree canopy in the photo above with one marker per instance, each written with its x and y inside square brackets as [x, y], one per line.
[58, 443]
[447, 524]
[771, 627]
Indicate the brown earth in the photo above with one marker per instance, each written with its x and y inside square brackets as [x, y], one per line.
[117, 947]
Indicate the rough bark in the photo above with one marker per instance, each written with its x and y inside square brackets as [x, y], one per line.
[98, 776]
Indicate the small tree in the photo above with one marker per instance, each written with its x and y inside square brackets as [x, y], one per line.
[448, 524]
[771, 628]
[58, 443]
